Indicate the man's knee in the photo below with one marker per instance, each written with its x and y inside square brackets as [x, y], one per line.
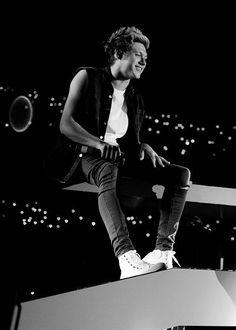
[180, 176]
[185, 178]
[108, 173]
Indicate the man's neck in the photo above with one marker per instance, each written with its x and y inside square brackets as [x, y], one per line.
[121, 85]
[117, 81]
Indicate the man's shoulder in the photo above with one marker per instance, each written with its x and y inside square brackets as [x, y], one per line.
[91, 70]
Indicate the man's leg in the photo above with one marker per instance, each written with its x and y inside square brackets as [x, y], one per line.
[104, 175]
[176, 180]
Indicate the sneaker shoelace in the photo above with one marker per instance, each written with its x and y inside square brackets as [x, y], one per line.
[135, 259]
[172, 255]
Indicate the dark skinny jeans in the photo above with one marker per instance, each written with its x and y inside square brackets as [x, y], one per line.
[174, 178]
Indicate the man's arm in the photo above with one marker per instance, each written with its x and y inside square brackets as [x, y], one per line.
[73, 130]
[68, 126]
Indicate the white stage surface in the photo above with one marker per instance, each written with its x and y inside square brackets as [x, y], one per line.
[156, 301]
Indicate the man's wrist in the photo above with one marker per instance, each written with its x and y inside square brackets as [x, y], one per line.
[99, 143]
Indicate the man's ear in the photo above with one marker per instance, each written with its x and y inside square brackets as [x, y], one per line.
[118, 54]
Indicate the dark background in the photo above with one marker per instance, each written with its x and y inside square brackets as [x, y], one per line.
[190, 72]
[190, 66]
[190, 69]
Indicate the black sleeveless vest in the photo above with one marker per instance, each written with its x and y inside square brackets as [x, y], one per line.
[92, 115]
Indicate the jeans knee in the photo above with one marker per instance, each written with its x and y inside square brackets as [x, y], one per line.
[108, 175]
[185, 177]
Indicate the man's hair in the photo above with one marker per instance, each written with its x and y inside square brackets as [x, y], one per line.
[121, 41]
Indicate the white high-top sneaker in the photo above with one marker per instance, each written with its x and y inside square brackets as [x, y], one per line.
[157, 256]
[131, 264]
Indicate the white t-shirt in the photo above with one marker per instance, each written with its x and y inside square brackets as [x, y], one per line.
[118, 119]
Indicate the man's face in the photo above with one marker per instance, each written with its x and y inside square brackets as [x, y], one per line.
[134, 62]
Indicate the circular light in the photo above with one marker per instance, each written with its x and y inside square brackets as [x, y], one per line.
[21, 114]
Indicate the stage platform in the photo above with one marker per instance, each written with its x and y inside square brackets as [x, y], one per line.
[202, 200]
[156, 301]
[197, 193]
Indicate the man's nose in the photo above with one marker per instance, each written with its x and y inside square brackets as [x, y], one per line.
[143, 61]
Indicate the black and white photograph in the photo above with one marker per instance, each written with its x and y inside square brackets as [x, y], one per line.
[118, 186]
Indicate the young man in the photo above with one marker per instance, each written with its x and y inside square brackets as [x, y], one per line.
[100, 127]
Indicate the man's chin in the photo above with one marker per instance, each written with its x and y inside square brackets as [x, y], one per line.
[137, 75]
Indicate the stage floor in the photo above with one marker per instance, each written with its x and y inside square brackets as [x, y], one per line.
[157, 301]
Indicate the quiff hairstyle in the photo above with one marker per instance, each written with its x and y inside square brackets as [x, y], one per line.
[121, 42]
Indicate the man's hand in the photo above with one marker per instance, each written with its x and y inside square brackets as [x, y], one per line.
[155, 158]
[110, 152]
